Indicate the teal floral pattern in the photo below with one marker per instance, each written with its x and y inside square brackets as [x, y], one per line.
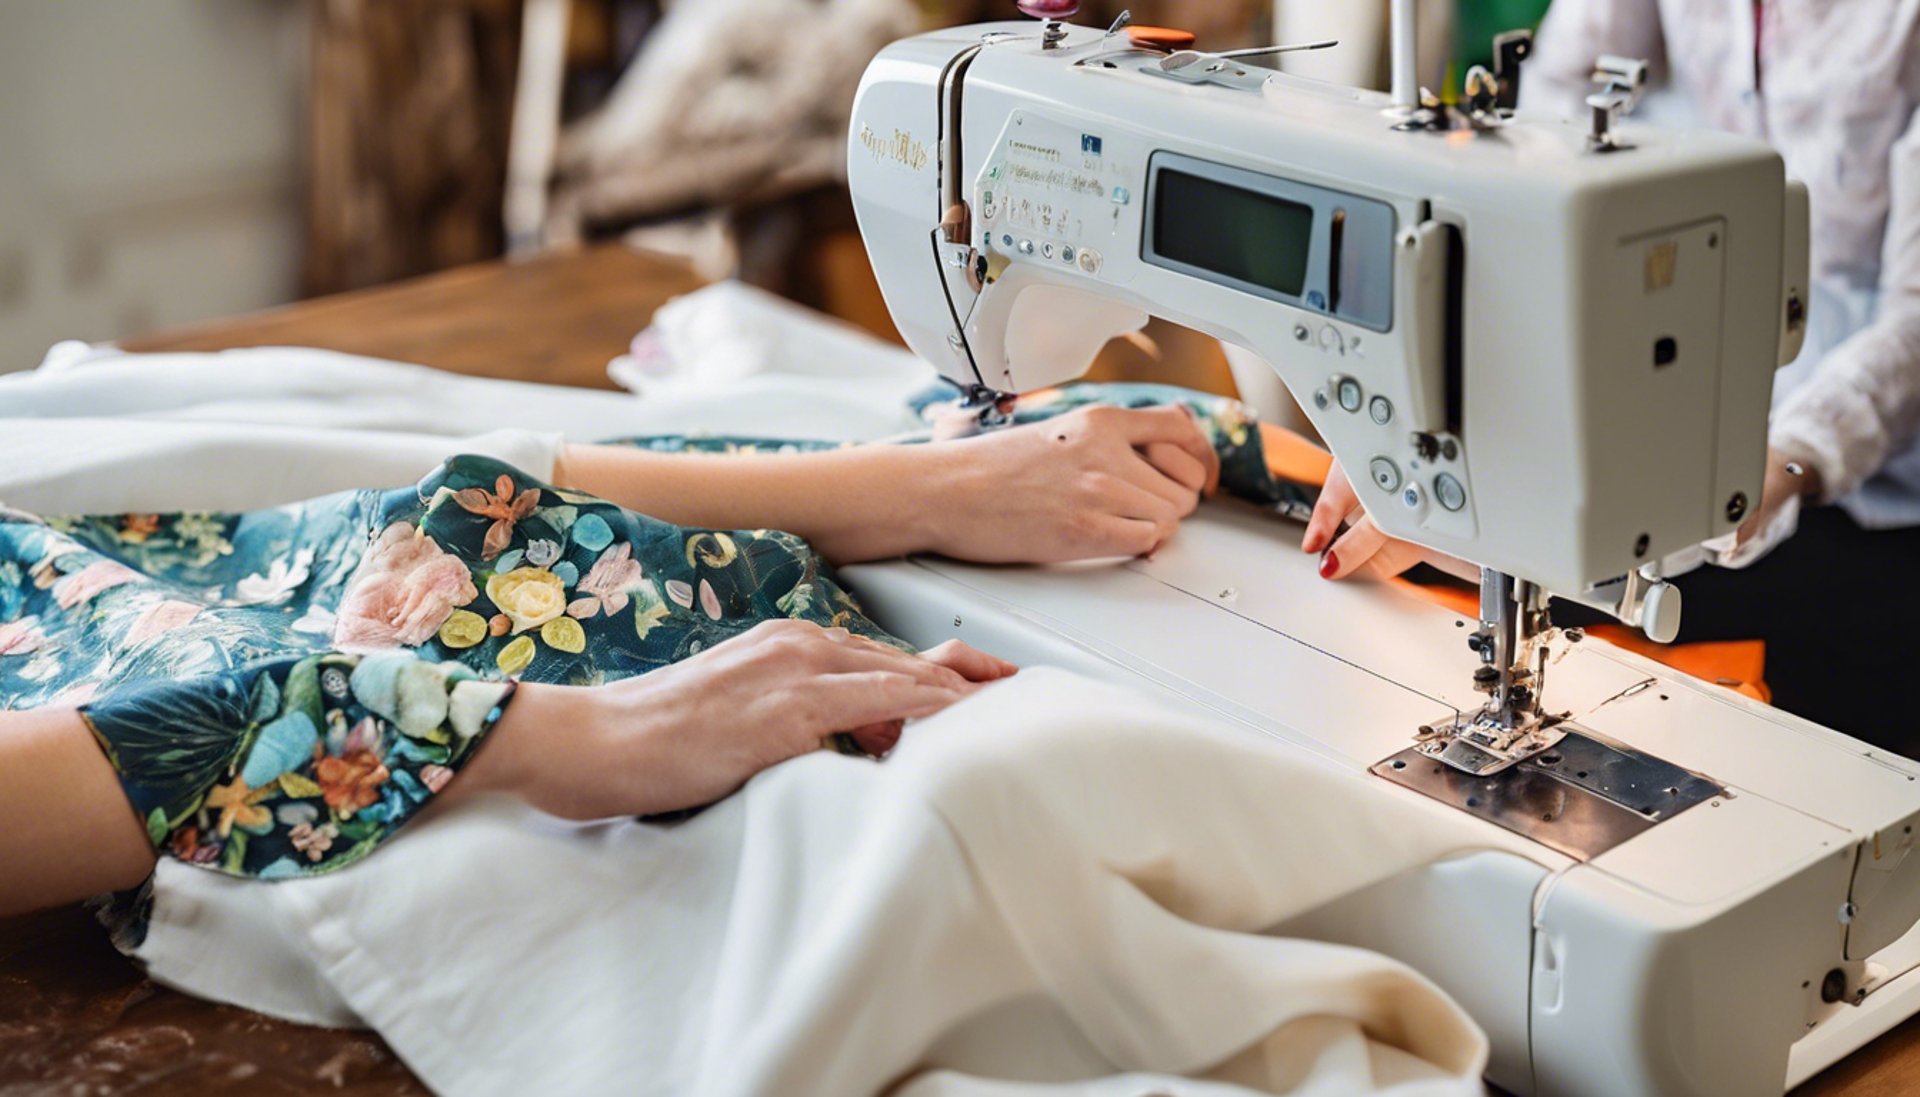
[332, 753]
[281, 690]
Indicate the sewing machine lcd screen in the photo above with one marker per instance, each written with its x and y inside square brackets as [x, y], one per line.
[1240, 234]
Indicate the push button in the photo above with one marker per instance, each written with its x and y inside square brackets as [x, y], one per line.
[1381, 409]
[1386, 474]
[1348, 392]
[1449, 492]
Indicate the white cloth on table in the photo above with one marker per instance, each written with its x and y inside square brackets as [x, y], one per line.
[261, 426]
[732, 338]
[1054, 887]
[1055, 882]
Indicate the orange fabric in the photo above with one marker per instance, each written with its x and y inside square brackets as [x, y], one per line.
[1739, 665]
[1290, 456]
[1736, 664]
[1160, 38]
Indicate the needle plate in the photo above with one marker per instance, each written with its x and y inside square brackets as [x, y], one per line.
[1582, 797]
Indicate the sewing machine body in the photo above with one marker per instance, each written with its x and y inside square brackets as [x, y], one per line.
[1543, 352]
[1689, 959]
[1520, 349]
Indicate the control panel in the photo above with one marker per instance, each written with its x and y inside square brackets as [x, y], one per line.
[1108, 206]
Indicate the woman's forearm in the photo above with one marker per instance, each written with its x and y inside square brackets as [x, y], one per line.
[1098, 481]
[852, 504]
[66, 830]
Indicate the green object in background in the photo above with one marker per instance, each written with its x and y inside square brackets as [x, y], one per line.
[1475, 24]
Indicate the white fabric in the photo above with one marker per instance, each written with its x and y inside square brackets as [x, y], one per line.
[1834, 87]
[1052, 882]
[97, 430]
[734, 340]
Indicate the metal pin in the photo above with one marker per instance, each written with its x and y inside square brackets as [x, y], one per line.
[1180, 59]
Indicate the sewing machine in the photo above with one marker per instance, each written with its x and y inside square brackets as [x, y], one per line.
[1542, 345]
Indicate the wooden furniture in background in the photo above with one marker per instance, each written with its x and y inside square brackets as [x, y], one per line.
[406, 137]
[557, 319]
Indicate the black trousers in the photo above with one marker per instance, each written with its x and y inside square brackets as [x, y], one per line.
[1839, 609]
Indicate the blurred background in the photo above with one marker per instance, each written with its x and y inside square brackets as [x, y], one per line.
[171, 161]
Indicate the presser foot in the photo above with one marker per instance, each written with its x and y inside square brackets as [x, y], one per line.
[1479, 744]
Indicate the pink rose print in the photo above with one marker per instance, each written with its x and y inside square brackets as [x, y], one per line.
[77, 694]
[81, 587]
[604, 587]
[313, 841]
[159, 619]
[405, 589]
[365, 736]
[21, 637]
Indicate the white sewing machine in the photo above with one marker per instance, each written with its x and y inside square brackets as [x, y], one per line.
[1541, 345]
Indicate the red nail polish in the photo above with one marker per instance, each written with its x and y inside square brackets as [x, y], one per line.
[1328, 565]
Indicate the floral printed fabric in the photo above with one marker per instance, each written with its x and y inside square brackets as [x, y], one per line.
[280, 690]
[332, 752]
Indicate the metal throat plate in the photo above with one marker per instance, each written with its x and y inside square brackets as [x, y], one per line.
[1582, 797]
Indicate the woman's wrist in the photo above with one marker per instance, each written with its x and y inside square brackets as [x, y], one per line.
[510, 758]
[932, 488]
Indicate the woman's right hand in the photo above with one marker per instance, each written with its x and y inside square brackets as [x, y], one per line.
[690, 733]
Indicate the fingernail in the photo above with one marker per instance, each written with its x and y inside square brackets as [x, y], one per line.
[1329, 564]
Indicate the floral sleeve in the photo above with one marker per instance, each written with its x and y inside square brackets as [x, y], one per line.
[294, 767]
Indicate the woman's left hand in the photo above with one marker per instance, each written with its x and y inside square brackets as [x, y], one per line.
[1361, 548]
[1098, 481]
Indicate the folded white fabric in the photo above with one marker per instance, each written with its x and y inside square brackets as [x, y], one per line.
[1054, 887]
[735, 339]
[98, 430]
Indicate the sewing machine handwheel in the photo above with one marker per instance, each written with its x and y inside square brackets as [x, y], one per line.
[1660, 613]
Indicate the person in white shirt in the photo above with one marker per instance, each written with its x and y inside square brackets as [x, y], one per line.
[1833, 85]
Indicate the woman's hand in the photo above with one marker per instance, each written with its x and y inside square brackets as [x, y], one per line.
[690, 733]
[1786, 479]
[1099, 481]
[1362, 548]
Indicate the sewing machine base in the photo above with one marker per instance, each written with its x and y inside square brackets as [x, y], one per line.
[1734, 947]
[1582, 796]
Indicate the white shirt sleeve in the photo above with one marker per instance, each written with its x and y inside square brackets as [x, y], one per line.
[1861, 406]
[1574, 34]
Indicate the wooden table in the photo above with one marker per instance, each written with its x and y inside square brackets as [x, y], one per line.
[70, 1007]
[556, 319]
